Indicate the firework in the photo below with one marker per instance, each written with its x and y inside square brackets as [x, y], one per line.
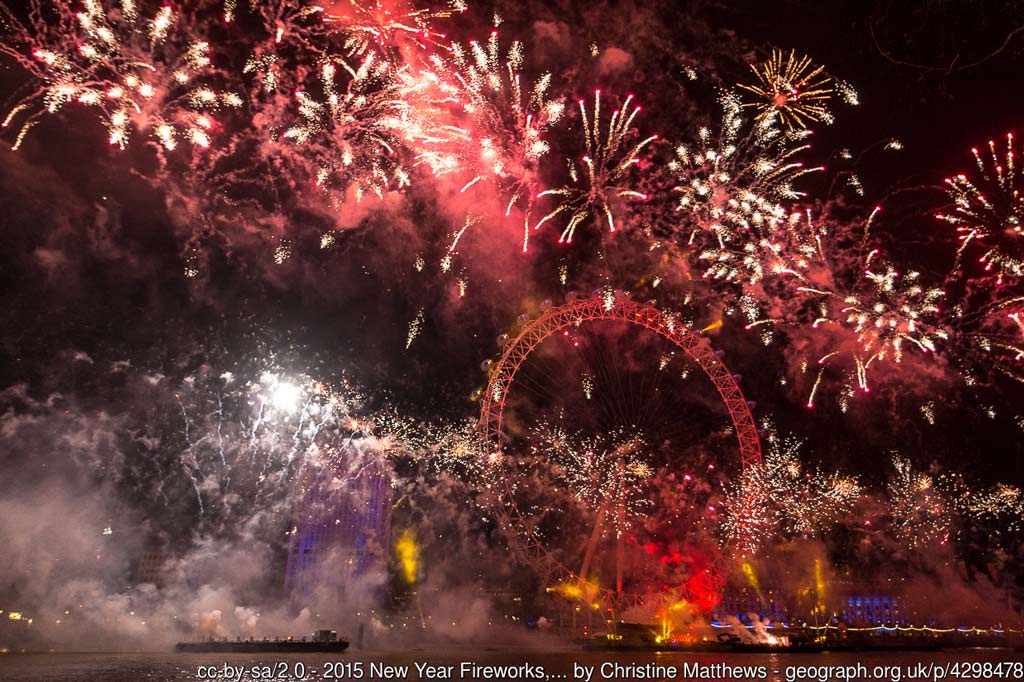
[795, 89]
[502, 139]
[990, 210]
[292, 24]
[993, 332]
[141, 71]
[376, 25]
[241, 437]
[349, 135]
[457, 447]
[1000, 509]
[898, 311]
[606, 169]
[921, 513]
[781, 498]
[882, 315]
[729, 189]
[601, 470]
[415, 325]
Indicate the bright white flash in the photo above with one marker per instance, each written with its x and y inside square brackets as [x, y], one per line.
[284, 396]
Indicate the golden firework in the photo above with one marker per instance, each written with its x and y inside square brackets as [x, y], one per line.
[794, 88]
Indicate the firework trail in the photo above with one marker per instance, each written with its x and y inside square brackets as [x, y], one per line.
[606, 170]
[795, 89]
[142, 69]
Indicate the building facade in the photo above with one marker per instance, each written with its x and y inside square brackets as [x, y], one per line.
[341, 523]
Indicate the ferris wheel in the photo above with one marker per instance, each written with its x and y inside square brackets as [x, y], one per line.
[581, 414]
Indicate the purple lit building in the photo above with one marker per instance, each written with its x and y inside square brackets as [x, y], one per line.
[342, 523]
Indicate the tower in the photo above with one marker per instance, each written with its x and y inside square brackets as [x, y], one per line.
[341, 523]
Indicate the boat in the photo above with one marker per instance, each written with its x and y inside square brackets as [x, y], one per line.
[634, 637]
[322, 641]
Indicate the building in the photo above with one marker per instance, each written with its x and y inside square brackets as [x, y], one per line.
[743, 601]
[341, 523]
[151, 566]
[856, 604]
[871, 609]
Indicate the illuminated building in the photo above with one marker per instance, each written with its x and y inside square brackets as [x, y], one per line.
[872, 609]
[342, 523]
[742, 602]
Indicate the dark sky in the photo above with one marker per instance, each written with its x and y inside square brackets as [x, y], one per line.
[91, 260]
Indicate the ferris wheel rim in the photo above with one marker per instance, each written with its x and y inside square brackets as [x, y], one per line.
[573, 313]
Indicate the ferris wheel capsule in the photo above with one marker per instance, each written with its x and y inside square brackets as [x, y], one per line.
[487, 365]
[503, 339]
[475, 395]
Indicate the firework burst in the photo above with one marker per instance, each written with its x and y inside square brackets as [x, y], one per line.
[884, 314]
[385, 26]
[349, 134]
[1000, 509]
[795, 89]
[142, 71]
[780, 498]
[606, 169]
[600, 471]
[898, 311]
[729, 188]
[922, 515]
[503, 137]
[990, 210]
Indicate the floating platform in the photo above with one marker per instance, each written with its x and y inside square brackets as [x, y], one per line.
[323, 641]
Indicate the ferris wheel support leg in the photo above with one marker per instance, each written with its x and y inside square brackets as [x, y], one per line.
[620, 523]
[619, 556]
[595, 536]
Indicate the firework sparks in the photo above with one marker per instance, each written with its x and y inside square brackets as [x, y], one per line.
[898, 311]
[729, 187]
[990, 210]
[921, 514]
[377, 25]
[144, 74]
[349, 135]
[601, 470]
[415, 325]
[607, 165]
[503, 137]
[796, 89]
[781, 498]
[884, 313]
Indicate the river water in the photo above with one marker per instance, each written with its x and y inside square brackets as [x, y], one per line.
[493, 664]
